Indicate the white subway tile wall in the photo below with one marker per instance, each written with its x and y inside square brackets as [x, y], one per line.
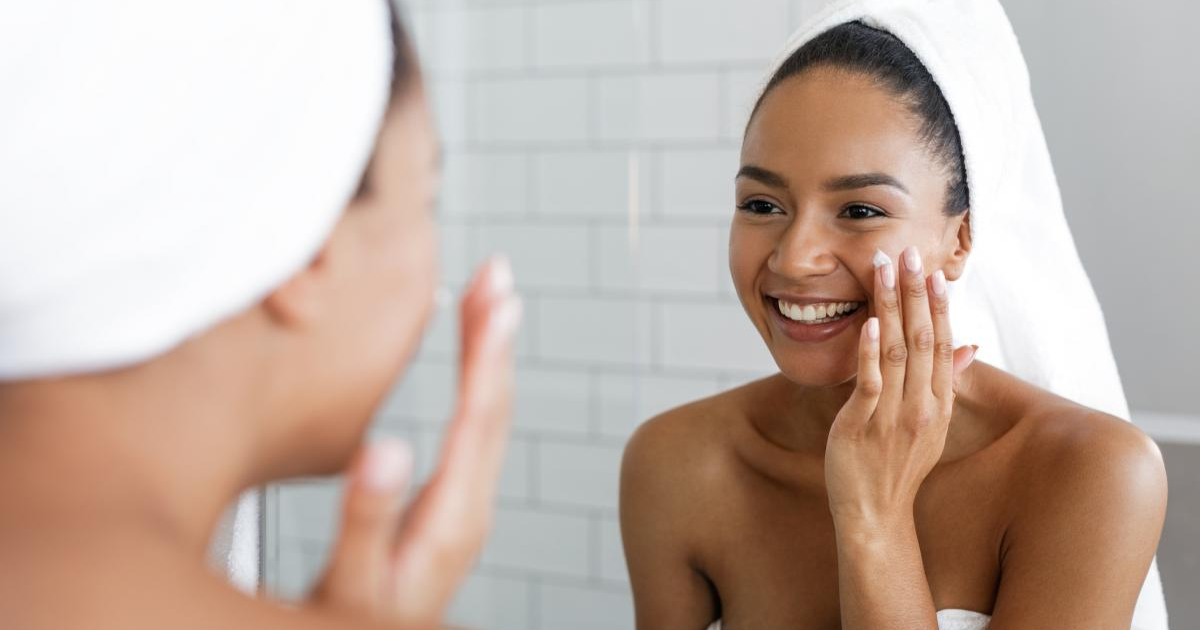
[594, 142]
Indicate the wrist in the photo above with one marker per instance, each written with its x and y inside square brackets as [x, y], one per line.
[869, 529]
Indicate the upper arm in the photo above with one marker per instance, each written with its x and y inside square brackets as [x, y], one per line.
[668, 592]
[1081, 541]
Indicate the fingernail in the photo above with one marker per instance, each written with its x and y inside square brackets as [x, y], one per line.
[873, 328]
[939, 283]
[912, 259]
[507, 318]
[974, 351]
[887, 272]
[388, 461]
[502, 275]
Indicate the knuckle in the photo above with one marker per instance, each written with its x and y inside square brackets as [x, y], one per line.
[944, 350]
[923, 339]
[871, 387]
[915, 290]
[890, 305]
[941, 306]
[897, 353]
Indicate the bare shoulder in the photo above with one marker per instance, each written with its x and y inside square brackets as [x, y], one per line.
[673, 461]
[1085, 460]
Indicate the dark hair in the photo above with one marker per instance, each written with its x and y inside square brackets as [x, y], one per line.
[404, 73]
[878, 54]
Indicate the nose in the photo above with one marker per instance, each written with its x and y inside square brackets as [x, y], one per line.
[803, 250]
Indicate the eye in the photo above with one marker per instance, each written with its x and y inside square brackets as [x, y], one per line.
[760, 207]
[855, 211]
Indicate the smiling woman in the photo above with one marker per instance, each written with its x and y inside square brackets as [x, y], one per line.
[884, 477]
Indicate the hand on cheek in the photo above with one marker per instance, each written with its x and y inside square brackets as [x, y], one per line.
[892, 430]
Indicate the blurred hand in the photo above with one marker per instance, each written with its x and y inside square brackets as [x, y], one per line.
[403, 567]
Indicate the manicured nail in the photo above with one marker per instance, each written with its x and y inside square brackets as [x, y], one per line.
[974, 351]
[887, 273]
[912, 259]
[502, 275]
[939, 283]
[388, 461]
[873, 328]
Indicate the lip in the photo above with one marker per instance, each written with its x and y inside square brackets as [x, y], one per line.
[811, 333]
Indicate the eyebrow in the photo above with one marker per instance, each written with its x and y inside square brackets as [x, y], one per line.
[844, 182]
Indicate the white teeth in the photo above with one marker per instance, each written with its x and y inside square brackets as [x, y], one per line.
[815, 313]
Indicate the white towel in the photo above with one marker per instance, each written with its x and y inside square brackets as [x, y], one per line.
[1023, 256]
[164, 165]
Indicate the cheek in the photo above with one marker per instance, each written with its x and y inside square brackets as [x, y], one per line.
[749, 250]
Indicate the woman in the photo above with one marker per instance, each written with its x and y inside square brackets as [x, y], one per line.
[883, 478]
[216, 255]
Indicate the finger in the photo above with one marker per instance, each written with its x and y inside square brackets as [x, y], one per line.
[447, 524]
[893, 348]
[918, 326]
[943, 347]
[358, 565]
[963, 358]
[855, 415]
[478, 433]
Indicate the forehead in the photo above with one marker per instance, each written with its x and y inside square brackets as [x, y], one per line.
[824, 123]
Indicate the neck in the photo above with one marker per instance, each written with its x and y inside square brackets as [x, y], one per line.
[155, 443]
[803, 415]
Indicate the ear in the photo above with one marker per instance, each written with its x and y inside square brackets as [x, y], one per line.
[957, 259]
[297, 302]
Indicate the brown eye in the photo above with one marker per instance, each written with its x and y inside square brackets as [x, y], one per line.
[859, 211]
[759, 206]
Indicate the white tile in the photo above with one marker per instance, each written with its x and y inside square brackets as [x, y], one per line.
[475, 38]
[698, 183]
[740, 91]
[659, 258]
[424, 392]
[543, 256]
[657, 107]
[592, 182]
[607, 33]
[300, 566]
[724, 30]
[594, 331]
[530, 111]
[711, 336]
[612, 553]
[454, 252]
[309, 511]
[448, 97]
[569, 607]
[531, 540]
[627, 400]
[495, 603]
[476, 184]
[579, 474]
[553, 401]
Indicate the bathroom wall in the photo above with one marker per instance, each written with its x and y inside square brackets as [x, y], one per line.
[595, 142]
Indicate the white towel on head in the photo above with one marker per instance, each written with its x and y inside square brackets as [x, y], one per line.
[164, 165]
[1024, 258]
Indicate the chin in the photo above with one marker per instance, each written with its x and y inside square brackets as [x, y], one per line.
[806, 374]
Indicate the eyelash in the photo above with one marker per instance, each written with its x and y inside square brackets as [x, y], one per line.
[749, 207]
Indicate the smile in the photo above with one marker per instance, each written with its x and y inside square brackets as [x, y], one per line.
[820, 313]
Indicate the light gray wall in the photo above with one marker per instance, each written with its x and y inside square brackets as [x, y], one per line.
[1117, 86]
